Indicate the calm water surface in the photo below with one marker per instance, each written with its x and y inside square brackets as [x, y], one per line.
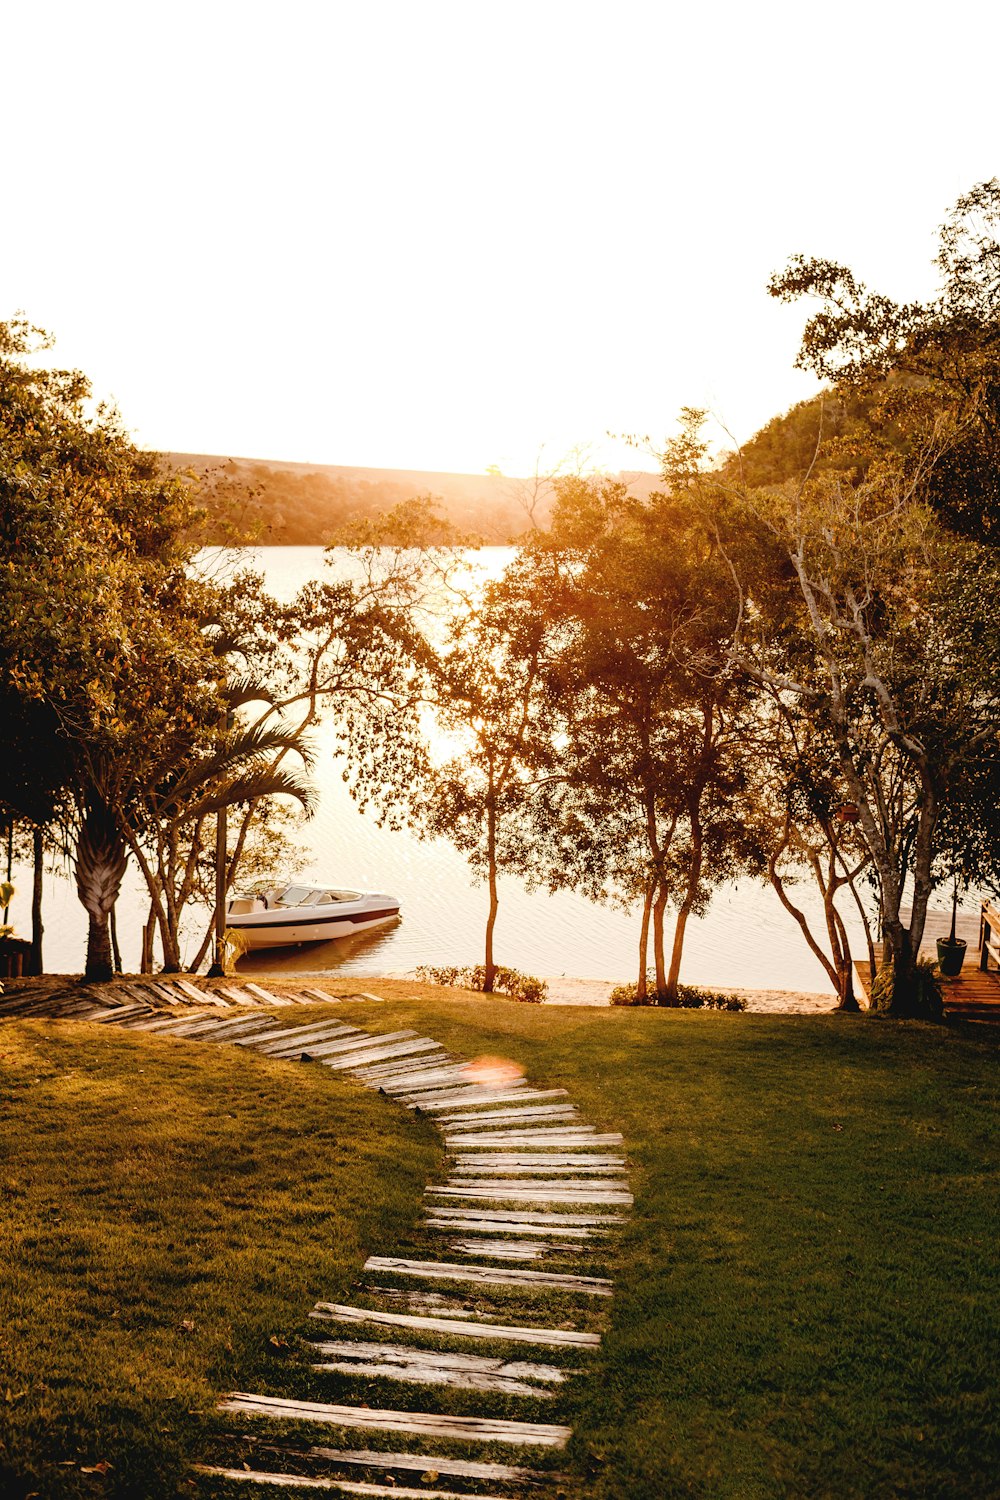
[745, 939]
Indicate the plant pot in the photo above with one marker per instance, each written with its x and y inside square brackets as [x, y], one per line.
[951, 956]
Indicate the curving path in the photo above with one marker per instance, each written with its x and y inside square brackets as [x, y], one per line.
[532, 1193]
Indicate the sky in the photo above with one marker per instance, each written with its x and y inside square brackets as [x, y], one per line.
[454, 235]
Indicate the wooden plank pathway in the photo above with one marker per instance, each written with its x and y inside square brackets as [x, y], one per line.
[509, 1143]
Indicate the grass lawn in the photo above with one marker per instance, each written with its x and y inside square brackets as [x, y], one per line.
[807, 1296]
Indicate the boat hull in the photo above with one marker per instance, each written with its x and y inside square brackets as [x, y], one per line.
[284, 928]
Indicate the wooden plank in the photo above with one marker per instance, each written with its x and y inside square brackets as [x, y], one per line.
[551, 1160]
[416, 1375]
[512, 1249]
[537, 1139]
[429, 1367]
[540, 1184]
[508, 1192]
[512, 1169]
[452, 1098]
[376, 1054]
[342, 1039]
[377, 1075]
[544, 1112]
[339, 1486]
[463, 1216]
[139, 1007]
[409, 1354]
[322, 997]
[424, 1424]
[422, 1463]
[204, 997]
[291, 1039]
[488, 1227]
[412, 1084]
[435, 1270]
[266, 995]
[267, 1031]
[243, 1023]
[238, 995]
[366, 995]
[570, 1338]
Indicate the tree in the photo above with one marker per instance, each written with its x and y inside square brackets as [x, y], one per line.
[648, 717]
[859, 608]
[921, 370]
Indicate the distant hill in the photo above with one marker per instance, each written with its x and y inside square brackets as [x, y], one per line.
[277, 503]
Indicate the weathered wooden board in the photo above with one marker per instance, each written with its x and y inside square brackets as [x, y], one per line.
[240, 1023]
[551, 1161]
[414, 1083]
[399, 1075]
[334, 1034]
[434, 1270]
[427, 1424]
[513, 1249]
[338, 1486]
[504, 1191]
[543, 1113]
[356, 1060]
[462, 1216]
[426, 1367]
[291, 1038]
[570, 1338]
[537, 1139]
[239, 996]
[408, 1354]
[269, 1034]
[267, 995]
[540, 1184]
[512, 1169]
[516, 1226]
[204, 997]
[415, 1375]
[322, 996]
[422, 1463]
[111, 1017]
[451, 1099]
[377, 1075]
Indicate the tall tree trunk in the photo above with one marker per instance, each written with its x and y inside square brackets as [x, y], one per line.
[899, 952]
[491, 857]
[35, 962]
[116, 952]
[642, 987]
[690, 897]
[101, 860]
[659, 906]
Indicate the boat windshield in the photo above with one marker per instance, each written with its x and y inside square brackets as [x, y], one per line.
[294, 895]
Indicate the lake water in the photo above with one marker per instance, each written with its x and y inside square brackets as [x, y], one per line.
[744, 940]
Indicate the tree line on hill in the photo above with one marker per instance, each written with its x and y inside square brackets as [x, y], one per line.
[782, 666]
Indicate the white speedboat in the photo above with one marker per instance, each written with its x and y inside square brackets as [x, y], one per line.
[307, 914]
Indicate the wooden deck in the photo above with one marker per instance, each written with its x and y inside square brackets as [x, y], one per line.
[974, 994]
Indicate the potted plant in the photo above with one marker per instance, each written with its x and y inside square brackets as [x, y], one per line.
[951, 950]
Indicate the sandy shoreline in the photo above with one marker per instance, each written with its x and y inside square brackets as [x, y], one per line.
[564, 991]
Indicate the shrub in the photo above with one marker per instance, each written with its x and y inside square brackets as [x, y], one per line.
[689, 997]
[928, 998]
[518, 986]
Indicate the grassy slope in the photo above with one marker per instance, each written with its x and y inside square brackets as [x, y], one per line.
[807, 1297]
[166, 1210]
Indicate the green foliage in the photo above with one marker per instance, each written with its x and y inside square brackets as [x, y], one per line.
[508, 981]
[689, 997]
[927, 1003]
